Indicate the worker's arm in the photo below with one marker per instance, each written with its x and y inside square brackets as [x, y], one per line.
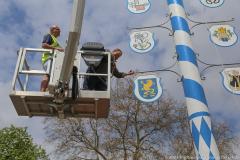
[118, 74]
[47, 46]
[47, 41]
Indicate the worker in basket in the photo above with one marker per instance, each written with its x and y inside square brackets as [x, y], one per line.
[49, 42]
[99, 83]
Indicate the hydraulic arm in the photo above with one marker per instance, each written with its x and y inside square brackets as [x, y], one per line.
[70, 50]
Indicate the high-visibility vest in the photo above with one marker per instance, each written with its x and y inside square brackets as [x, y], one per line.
[47, 55]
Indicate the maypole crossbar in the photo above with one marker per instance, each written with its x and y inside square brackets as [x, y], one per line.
[198, 114]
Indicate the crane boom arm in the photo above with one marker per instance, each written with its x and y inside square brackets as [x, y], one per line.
[73, 40]
[70, 50]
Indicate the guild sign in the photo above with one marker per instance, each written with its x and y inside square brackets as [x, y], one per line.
[231, 79]
[141, 41]
[223, 35]
[212, 3]
[147, 88]
[138, 6]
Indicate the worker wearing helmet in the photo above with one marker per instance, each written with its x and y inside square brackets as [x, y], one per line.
[49, 42]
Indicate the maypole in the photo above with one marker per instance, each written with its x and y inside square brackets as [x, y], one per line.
[198, 114]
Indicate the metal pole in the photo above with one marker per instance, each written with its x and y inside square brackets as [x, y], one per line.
[70, 50]
[73, 40]
[198, 115]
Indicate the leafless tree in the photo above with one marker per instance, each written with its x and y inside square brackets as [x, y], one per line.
[133, 130]
[182, 144]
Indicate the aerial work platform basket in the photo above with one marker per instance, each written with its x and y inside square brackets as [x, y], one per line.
[29, 102]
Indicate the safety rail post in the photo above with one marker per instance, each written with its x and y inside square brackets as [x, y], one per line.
[23, 68]
[198, 114]
[15, 76]
[109, 74]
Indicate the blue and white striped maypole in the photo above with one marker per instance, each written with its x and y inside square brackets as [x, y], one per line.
[199, 118]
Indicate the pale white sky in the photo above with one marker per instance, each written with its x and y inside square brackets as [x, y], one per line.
[24, 22]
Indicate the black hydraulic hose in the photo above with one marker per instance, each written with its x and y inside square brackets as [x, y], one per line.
[75, 91]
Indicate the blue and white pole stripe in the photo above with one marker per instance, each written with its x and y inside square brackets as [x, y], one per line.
[200, 122]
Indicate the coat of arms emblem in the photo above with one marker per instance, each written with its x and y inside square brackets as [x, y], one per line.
[231, 79]
[141, 41]
[212, 3]
[138, 6]
[147, 88]
[223, 35]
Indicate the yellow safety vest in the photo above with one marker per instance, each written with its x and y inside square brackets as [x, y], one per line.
[47, 55]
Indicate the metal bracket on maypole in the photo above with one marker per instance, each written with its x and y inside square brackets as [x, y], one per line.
[198, 114]
[162, 25]
[198, 23]
[208, 65]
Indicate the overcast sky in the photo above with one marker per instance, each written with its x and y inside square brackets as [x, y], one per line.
[24, 22]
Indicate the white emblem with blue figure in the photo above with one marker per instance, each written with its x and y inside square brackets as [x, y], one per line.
[147, 88]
